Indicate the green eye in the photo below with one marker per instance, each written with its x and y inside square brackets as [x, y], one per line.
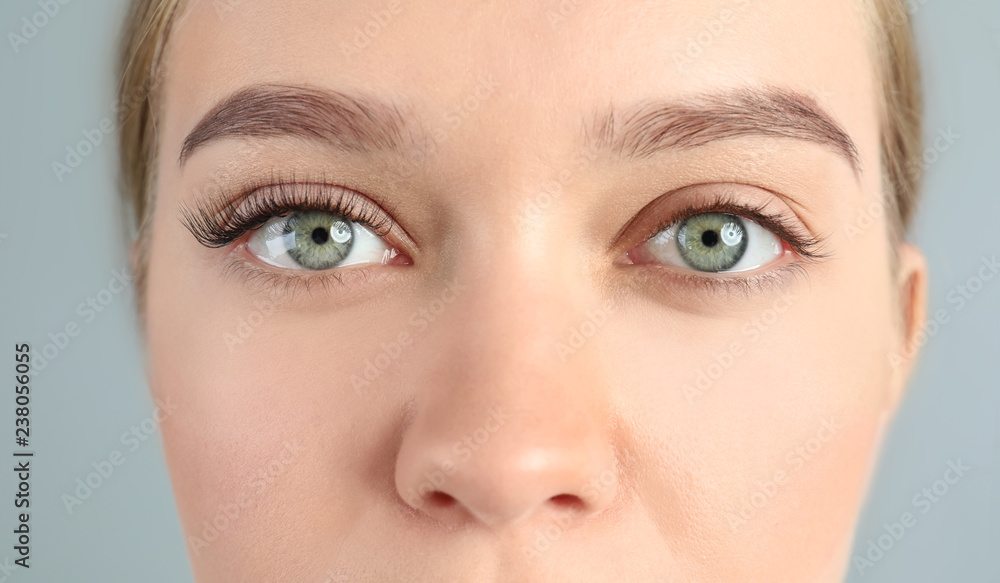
[712, 241]
[320, 240]
[317, 240]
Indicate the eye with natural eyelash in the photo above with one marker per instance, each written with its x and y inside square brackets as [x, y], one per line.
[799, 248]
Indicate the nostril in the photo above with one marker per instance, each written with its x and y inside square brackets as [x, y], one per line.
[439, 499]
[567, 502]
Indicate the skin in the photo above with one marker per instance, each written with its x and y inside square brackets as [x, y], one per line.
[596, 463]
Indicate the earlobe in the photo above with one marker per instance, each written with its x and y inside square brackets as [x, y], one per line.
[911, 289]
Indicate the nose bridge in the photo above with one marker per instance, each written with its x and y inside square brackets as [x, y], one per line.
[504, 426]
[508, 331]
[525, 276]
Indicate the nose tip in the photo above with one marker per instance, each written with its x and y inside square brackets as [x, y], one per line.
[504, 473]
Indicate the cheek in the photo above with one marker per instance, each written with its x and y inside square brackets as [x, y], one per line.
[755, 433]
[268, 425]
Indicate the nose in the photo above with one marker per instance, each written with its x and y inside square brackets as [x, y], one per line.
[516, 464]
[502, 429]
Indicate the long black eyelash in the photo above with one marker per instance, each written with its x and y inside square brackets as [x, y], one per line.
[218, 221]
[806, 246]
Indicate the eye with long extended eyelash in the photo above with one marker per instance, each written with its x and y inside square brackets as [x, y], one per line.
[218, 221]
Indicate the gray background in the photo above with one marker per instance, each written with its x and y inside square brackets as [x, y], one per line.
[60, 243]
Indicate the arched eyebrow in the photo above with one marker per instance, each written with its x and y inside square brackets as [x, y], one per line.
[362, 124]
[346, 122]
[649, 128]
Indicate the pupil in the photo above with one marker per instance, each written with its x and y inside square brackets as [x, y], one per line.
[709, 238]
[320, 236]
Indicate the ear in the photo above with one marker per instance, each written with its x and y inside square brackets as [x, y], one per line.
[911, 290]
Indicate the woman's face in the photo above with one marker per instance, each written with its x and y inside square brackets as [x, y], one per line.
[523, 291]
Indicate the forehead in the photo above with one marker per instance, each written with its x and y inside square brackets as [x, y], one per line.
[527, 68]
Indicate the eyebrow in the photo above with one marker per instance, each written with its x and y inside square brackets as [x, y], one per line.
[649, 128]
[346, 122]
[361, 124]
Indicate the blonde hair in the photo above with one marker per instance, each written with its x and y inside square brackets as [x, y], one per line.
[901, 131]
[149, 23]
[147, 29]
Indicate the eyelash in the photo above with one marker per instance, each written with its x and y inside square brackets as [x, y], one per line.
[806, 246]
[219, 222]
[724, 285]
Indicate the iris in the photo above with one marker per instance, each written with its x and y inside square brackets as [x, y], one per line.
[712, 241]
[320, 240]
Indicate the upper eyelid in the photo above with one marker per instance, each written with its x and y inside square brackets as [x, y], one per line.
[218, 221]
[810, 243]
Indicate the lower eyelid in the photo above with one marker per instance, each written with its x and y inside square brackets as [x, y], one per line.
[243, 268]
[786, 257]
[694, 290]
